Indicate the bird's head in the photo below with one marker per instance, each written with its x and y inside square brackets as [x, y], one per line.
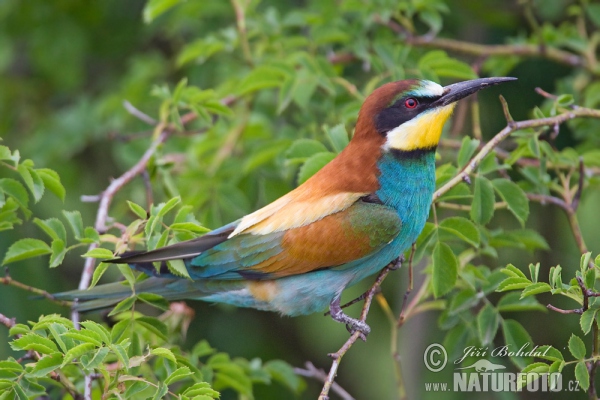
[409, 115]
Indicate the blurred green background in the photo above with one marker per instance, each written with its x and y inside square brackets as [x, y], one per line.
[66, 66]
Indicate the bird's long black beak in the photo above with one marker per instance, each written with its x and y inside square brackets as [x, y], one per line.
[460, 90]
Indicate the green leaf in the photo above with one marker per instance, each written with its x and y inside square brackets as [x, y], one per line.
[102, 332]
[284, 374]
[513, 272]
[99, 252]
[164, 208]
[201, 389]
[98, 272]
[96, 360]
[35, 342]
[52, 227]
[165, 353]
[582, 375]
[161, 391]
[75, 221]
[513, 302]
[126, 271]
[153, 325]
[121, 355]
[577, 347]
[482, 208]
[51, 180]
[313, 164]
[58, 253]
[177, 375]
[586, 320]
[177, 267]
[154, 300]
[584, 262]
[516, 337]
[461, 228]
[338, 137]
[302, 149]
[137, 210]
[534, 272]
[25, 248]
[487, 324]
[513, 284]
[47, 364]
[85, 335]
[445, 269]
[515, 198]
[467, 149]
[535, 288]
[32, 180]
[123, 305]
[77, 352]
[154, 8]
[16, 190]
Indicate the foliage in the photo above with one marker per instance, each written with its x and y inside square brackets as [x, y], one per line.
[252, 102]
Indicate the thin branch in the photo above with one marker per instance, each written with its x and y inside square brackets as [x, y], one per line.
[7, 280]
[310, 371]
[337, 357]
[138, 114]
[527, 50]
[240, 18]
[8, 322]
[503, 134]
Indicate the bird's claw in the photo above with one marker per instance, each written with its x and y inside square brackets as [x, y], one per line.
[357, 325]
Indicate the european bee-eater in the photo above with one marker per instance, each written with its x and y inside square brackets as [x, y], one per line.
[352, 218]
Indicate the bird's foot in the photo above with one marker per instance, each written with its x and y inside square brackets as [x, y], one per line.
[352, 324]
[396, 263]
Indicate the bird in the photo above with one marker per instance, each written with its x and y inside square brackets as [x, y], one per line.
[351, 219]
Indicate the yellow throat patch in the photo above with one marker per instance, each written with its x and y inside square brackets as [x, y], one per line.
[421, 132]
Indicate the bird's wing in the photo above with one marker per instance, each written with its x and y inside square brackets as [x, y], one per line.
[331, 241]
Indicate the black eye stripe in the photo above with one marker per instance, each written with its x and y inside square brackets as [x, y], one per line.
[397, 113]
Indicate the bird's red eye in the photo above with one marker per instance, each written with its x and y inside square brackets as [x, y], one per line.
[411, 103]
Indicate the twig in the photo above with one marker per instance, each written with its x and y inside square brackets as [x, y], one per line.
[240, 19]
[310, 371]
[337, 357]
[138, 114]
[7, 280]
[8, 322]
[528, 50]
[504, 133]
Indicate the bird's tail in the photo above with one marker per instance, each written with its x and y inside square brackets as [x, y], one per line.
[104, 296]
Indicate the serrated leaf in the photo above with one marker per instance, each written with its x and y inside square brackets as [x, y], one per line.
[462, 228]
[51, 180]
[201, 389]
[482, 208]
[86, 336]
[99, 252]
[467, 149]
[153, 325]
[137, 210]
[177, 267]
[75, 222]
[52, 227]
[154, 300]
[77, 352]
[96, 360]
[577, 347]
[123, 305]
[513, 271]
[177, 375]
[165, 353]
[127, 273]
[16, 190]
[513, 284]
[32, 180]
[121, 355]
[535, 288]
[98, 272]
[515, 198]
[445, 269]
[513, 302]
[25, 248]
[582, 375]
[168, 206]
[284, 373]
[58, 253]
[586, 320]
[47, 364]
[102, 332]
